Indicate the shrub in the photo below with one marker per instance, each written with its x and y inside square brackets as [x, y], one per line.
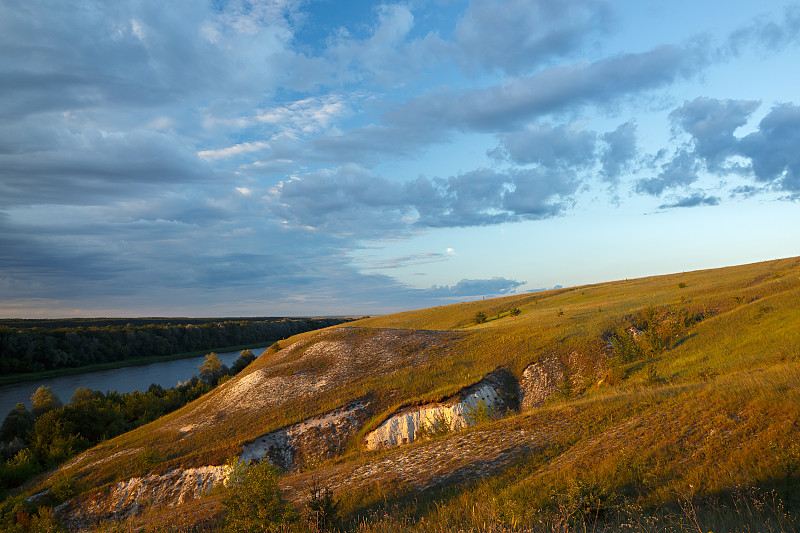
[437, 426]
[624, 346]
[587, 500]
[480, 413]
[23, 466]
[254, 501]
[321, 509]
[63, 488]
[480, 317]
[242, 361]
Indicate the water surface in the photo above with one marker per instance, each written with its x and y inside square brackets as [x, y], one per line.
[127, 379]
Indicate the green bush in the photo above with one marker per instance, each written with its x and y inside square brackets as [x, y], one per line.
[438, 426]
[321, 509]
[22, 467]
[480, 413]
[254, 502]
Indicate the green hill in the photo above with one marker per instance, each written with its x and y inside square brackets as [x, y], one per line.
[667, 403]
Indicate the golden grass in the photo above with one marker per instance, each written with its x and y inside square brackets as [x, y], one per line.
[725, 393]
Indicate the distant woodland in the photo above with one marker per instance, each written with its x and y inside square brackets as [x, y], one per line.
[39, 345]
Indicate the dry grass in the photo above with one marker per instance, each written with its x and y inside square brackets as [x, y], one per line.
[714, 412]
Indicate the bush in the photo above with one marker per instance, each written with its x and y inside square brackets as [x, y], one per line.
[624, 346]
[438, 426]
[254, 501]
[321, 509]
[480, 413]
[22, 467]
[480, 317]
[587, 500]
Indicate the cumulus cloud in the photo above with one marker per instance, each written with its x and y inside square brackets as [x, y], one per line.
[767, 155]
[773, 148]
[351, 200]
[712, 124]
[766, 33]
[680, 171]
[517, 101]
[91, 166]
[130, 54]
[694, 200]
[347, 200]
[550, 146]
[475, 287]
[519, 35]
[620, 152]
[540, 193]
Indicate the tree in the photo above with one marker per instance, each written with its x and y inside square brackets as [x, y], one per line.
[44, 400]
[16, 424]
[212, 369]
[254, 501]
[321, 509]
[480, 317]
[83, 395]
[242, 361]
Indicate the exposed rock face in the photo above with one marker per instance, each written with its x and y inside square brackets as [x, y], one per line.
[316, 439]
[456, 412]
[546, 378]
[540, 381]
[128, 497]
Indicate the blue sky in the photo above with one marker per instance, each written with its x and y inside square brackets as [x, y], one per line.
[233, 158]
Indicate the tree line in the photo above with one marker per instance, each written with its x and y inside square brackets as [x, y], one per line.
[36, 346]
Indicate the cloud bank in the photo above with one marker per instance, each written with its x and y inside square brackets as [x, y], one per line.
[230, 157]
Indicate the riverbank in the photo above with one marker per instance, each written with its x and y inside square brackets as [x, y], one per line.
[113, 365]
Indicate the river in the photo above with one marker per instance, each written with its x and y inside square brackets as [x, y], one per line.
[126, 379]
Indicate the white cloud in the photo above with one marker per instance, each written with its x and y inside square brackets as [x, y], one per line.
[231, 151]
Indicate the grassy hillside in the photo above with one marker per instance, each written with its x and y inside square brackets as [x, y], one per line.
[693, 426]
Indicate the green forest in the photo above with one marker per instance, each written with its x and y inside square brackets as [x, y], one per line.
[29, 346]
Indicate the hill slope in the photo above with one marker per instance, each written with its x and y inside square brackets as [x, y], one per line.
[647, 399]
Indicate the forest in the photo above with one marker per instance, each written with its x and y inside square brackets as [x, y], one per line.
[29, 346]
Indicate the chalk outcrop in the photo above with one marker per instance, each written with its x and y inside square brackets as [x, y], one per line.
[314, 439]
[461, 410]
[551, 375]
[128, 497]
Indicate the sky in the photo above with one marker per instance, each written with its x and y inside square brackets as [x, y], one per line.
[308, 157]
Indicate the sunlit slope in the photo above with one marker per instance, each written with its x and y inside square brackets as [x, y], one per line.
[744, 336]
